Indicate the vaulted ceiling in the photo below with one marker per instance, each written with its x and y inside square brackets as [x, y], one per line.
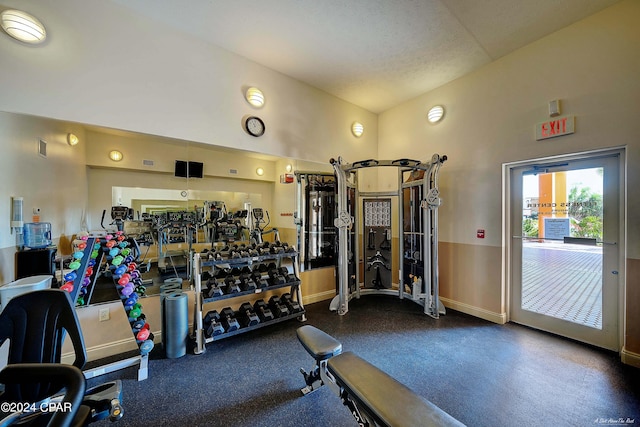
[372, 53]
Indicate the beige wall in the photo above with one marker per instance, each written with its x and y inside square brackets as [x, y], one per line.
[593, 67]
[56, 184]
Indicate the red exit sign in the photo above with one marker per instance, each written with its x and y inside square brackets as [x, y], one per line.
[557, 127]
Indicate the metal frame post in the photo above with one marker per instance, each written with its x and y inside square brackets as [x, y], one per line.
[343, 223]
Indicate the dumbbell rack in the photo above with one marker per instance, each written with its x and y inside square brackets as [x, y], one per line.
[98, 250]
[198, 263]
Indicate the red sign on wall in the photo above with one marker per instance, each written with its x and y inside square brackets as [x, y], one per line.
[557, 127]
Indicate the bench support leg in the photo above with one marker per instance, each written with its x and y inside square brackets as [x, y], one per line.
[312, 379]
[362, 418]
[317, 377]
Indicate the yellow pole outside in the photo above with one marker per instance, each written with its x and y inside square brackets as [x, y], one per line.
[560, 195]
[552, 189]
[545, 198]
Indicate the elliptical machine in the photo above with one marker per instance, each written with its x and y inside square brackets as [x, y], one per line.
[260, 225]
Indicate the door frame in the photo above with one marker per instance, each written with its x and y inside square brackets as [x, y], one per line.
[508, 230]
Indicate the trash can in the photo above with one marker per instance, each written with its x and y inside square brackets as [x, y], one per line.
[22, 286]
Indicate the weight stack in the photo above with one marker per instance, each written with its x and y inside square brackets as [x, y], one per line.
[175, 324]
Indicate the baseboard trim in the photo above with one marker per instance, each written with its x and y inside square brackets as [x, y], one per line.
[108, 349]
[320, 296]
[630, 358]
[491, 316]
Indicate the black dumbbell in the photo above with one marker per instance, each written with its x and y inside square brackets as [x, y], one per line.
[285, 273]
[212, 325]
[294, 306]
[256, 277]
[278, 308]
[245, 282]
[264, 249]
[232, 285]
[276, 248]
[275, 278]
[214, 289]
[247, 316]
[228, 319]
[263, 311]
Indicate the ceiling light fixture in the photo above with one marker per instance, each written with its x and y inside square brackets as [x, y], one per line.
[115, 155]
[357, 129]
[72, 139]
[259, 171]
[255, 97]
[22, 26]
[435, 114]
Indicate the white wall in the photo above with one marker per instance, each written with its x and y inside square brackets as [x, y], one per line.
[103, 66]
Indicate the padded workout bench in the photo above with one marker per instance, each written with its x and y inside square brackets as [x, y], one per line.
[373, 397]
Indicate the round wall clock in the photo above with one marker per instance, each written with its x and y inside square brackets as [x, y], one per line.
[254, 126]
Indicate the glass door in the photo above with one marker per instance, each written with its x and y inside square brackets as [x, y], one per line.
[565, 223]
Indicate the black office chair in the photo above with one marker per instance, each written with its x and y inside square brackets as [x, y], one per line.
[65, 412]
[35, 324]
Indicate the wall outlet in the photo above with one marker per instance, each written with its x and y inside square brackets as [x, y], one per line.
[104, 314]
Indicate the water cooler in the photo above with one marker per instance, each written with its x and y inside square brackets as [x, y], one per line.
[38, 255]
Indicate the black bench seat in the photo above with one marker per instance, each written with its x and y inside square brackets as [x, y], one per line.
[387, 400]
[318, 344]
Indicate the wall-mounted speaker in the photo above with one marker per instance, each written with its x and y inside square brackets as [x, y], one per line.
[181, 169]
[189, 169]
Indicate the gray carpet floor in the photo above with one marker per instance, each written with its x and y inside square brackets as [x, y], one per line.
[481, 373]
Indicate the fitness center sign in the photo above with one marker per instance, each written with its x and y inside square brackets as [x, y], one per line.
[557, 208]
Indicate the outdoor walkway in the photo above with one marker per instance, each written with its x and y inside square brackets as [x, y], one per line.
[563, 281]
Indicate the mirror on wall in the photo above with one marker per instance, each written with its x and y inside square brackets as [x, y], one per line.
[144, 181]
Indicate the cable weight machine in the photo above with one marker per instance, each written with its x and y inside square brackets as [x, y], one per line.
[417, 198]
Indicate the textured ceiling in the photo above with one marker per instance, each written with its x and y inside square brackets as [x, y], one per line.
[372, 53]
